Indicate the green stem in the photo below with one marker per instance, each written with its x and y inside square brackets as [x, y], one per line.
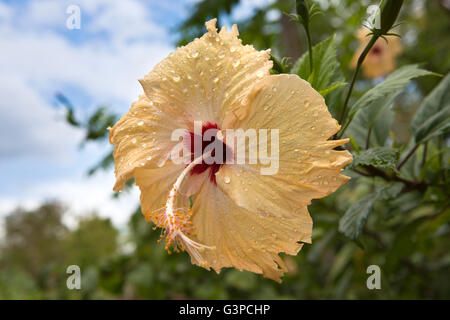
[308, 36]
[407, 156]
[355, 75]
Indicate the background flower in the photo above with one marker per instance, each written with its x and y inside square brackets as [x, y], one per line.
[380, 60]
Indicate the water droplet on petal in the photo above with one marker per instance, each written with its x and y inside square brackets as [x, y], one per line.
[133, 140]
[216, 79]
[140, 123]
[226, 179]
[176, 78]
[195, 54]
[260, 73]
[236, 63]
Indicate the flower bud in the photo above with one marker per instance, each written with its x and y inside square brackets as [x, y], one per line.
[302, 11]
[389, 10]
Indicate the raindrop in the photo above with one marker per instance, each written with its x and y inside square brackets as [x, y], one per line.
[226, 179]
[176, 78]
[236, 63]
[195, 54]
[216, 79]
[260, 73]
[133, 140]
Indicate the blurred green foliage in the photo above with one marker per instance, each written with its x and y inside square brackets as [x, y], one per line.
[394, 213]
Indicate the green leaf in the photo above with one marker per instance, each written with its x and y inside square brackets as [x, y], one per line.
[404, 243]
[380, 157]
[391, 191]
[278, 66]
[433, 116]
[437, 100]
[434, 126]
[394, 84]
[332, 87]
[375, 120]
[326, 74]
[352, 222]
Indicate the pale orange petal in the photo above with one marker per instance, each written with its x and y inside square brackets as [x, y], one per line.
[244, 239]
[259, 216]
[141, 138]
[205, 78]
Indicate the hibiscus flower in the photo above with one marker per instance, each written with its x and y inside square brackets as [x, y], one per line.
[380, 60]
[239, 218]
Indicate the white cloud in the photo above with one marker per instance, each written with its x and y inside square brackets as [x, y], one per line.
[118, 43]
[36, 60]
[45, 13]
[82, 196]
[246, 8]
[6, 12]
[29, 127]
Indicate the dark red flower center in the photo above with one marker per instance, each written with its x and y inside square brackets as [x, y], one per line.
[376, 50]
[213, 167]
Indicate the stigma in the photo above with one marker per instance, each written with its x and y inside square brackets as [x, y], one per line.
[178, 229]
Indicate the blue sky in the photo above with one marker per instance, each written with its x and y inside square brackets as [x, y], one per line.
[99, 64]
